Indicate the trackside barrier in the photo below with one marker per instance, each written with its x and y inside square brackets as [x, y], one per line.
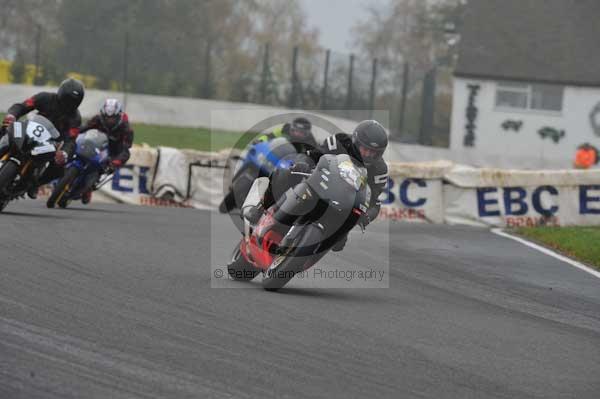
[433, 192]
[522, 198]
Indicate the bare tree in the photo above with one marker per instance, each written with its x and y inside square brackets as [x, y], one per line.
[207, 48]
[19, 24]
[411, 31]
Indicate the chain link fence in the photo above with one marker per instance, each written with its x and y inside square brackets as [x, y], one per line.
[344, 85]
[353, 87]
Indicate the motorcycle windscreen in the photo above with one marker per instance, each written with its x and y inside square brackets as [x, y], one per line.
[46, 124]
[341, 196]
[326, 180]
[280, 148]
[268, 155]
[91, 144]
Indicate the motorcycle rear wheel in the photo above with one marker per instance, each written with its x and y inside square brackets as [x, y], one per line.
[286, 267]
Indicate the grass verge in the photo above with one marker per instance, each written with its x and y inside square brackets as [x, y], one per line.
[580, 243]
[182, 137]
[201, 139]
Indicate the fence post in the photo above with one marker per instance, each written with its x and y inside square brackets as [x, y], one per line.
[38, 40]
[405, 72]
[350, 78]
[428, 108]
[265, 75]
[294, 92]
[325, 80]
[125, 66]
[207, 90]
[373, 88]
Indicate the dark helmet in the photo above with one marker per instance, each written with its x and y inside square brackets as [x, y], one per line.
[70, 94]
[300, 130]
[369, 140]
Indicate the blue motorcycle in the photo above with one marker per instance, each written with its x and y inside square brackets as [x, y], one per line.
[84, 171]
[260, 160]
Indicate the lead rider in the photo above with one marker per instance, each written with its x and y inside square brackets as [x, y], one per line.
[366, 146]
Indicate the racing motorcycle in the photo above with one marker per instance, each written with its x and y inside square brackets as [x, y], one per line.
[84, 172]
[260, 160]
[26, 148]
[335, 198]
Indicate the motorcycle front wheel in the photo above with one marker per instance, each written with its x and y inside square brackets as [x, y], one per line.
[62, 188]
[239, 269]
[303, 252]
[8, 172]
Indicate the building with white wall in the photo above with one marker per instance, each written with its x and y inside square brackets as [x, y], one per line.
[527, 83]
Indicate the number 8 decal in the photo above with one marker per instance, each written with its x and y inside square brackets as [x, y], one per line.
[37, 132]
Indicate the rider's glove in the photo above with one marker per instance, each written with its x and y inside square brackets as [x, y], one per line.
[8, 120]
[116, 163]
[60, 158]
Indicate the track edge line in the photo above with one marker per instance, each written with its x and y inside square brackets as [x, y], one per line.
[546, 251]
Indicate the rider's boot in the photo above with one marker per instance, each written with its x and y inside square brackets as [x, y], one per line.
[340, 244]
[86, 197]
[32, 191]
[253, 213]
[294, 203]
[253, 207]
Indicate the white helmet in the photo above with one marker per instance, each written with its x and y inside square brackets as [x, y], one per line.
[111, 113]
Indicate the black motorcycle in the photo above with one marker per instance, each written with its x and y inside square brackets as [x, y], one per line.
[333, 200]
[26, 150]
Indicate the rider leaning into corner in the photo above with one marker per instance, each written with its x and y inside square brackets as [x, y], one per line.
[299, 133]
[114, 122]
[365, 145]
[60, 108]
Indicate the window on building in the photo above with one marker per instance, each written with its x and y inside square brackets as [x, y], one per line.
[524, 96]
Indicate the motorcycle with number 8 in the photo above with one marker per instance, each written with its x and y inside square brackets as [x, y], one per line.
[26, 150]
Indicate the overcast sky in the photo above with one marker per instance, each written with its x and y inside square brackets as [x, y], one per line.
[334, 19]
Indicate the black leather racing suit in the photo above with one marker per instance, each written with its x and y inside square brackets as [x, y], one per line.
[67, 125]
[341, 143]
[283, 179]
[120, 137]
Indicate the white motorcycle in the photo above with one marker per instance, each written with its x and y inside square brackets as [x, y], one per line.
[26, 150]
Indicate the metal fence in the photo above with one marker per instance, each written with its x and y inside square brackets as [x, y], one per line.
[418, 104]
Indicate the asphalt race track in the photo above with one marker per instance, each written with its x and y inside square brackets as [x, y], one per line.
[116, 302]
